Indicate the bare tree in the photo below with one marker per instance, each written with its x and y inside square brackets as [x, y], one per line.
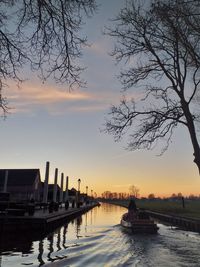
[134, 191]
[160, 45]
[43, 35]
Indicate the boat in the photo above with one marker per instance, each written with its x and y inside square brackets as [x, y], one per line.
[140, 224]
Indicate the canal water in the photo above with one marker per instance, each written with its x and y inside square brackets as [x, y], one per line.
[96, 239]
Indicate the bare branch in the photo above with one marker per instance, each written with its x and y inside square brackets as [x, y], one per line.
[44, 35]
[159, 43]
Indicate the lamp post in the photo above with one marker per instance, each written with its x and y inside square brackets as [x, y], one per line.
[86, 197]
[78, 193]
[79, 184]
[91, 196]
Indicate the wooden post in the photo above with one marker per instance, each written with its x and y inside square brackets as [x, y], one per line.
[183, 202]
[61, 187]
[66, 188]
[5, 181]
[55, 185]
[45, 192]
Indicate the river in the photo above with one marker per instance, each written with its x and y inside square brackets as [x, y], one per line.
[96, 239]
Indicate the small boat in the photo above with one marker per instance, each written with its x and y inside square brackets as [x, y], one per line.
[139, 225]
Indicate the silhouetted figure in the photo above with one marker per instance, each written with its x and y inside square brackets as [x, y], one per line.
[132, 211]
[73, 203]
[66, 205]
[32, 200]
[183, 202]
[132, 206]
[51, 206]
[31, 207]
[56, 206]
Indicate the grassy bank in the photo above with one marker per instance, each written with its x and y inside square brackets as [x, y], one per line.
[172, 207]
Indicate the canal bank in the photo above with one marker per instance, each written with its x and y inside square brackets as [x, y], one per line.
[42, 220]
[189, 224]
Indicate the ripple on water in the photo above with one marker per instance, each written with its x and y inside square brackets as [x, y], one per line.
[97, 241]
[106, 248]
[115, 247]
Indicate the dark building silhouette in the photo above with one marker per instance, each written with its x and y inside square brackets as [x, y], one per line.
[50, 192]
[22, 184]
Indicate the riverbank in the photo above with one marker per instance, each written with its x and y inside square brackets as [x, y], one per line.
[170, 212]
[42, 220]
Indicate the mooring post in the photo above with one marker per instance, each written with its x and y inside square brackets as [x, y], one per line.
[5, 182]
[61, 187]
[45, 192]
[55, 185]
[183, 202]
[66, 189]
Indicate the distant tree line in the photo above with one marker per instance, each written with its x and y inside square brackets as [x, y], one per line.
[151, 196]
[115, 195]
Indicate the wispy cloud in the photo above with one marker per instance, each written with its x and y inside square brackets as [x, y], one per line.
[36, 94]
[56, 101]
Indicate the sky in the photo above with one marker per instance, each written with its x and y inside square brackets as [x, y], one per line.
[49, 123]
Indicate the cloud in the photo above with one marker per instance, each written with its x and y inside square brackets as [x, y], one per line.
[32, 96]
[37, 94]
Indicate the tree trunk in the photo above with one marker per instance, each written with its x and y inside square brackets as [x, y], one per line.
[192, 131]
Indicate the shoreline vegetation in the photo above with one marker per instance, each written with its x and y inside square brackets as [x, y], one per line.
[168, 207]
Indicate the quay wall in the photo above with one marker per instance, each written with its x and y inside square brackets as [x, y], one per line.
[182, 222]
[185, 223]
[43, 223]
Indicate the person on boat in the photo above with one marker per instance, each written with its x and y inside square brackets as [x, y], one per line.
[132, 211]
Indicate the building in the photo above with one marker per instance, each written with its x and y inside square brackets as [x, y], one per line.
[72, 194]
[50, 192]
[22, 184]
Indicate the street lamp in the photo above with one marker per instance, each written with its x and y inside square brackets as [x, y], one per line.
[79, 182]
[78, 193]
[86, 196]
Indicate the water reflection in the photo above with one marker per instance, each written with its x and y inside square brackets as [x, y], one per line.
[97, 239]
[50, 247]
[64, 235]
[86, 215]
[78, 226]
[41, 250]
[17, 242]
[58, 240]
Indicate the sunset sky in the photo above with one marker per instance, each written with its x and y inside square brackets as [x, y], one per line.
[49, 123]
